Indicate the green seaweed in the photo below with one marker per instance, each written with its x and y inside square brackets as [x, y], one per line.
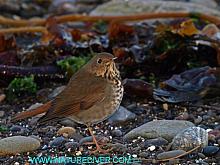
[72, 64]
[21, 86]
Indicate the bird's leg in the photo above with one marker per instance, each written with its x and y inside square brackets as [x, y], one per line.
[98, 148]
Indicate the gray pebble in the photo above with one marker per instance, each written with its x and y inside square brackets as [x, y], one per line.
[56, 91]
[118, 147]
[206, 117]
[198, 120]
[117, 133]
[2, 113]
[19, 129]
[155, 142]
[190, 138]
[57, 142]
[77, 137]
[122, 115]
[167, 129]
[210, 150]
[69, 123]
[16, 128]
[144, 154]
[201, 155]
[170, 154]
[90, 139]
[72, 145]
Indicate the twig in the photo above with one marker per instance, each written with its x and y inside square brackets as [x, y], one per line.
[81, 18]
[24, 29]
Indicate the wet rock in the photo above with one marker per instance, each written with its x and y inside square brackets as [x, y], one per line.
[34, 106]
[2, 113]
[57, 142]
[77, 137]
[118, 147]
[201, 155]
[47, 129]
[18, 129]
[198, 120]
[210, 150]
[156, 142]
[68, 123]
[137, 87]
[117, 133]
[89, 139]
[66, 131]
[18, 144]
[144, 154]
[121, 7]
[71, 145]
[167, 129]
[56, 91]
[170, 154]
[122, 115]
[190, 138]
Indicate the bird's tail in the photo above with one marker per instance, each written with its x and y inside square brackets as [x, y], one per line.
[23, 115]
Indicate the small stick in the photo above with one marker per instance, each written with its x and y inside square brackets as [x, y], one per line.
[39, 29]
[81, 18]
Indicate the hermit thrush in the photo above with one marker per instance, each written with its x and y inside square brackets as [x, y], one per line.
[93, 94]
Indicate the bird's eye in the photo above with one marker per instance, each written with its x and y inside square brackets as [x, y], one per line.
[99, 61]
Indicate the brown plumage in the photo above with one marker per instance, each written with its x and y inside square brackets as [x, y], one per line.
[93, 94]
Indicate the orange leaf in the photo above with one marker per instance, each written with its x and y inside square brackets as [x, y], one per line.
[117, 30]
[187, 28]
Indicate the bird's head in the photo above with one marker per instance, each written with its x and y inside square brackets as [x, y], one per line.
[103, 65]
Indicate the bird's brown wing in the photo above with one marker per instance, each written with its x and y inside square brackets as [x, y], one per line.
[82, 92]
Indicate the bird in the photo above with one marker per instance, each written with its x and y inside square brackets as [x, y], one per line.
[92, 95]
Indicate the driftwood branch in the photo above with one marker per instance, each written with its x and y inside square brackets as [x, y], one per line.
[31, 23]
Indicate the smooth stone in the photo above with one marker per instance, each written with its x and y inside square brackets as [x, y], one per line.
[119, 147]
[190, 138]
[17, 128]
[69, 131]
[77, 137]
[57, 142]
[71, 145]
[2, 113]
[68, 123]
[210, 150]
[89, 139]
[122, 7]
[34, 106]
[201, 155]
[198, 120]
[121, 115]
[170, 154]
[155, 142]
[117, 133]
[144, 154]
[47, 129]
[18, 144]
[166, 129]
[56, 91]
